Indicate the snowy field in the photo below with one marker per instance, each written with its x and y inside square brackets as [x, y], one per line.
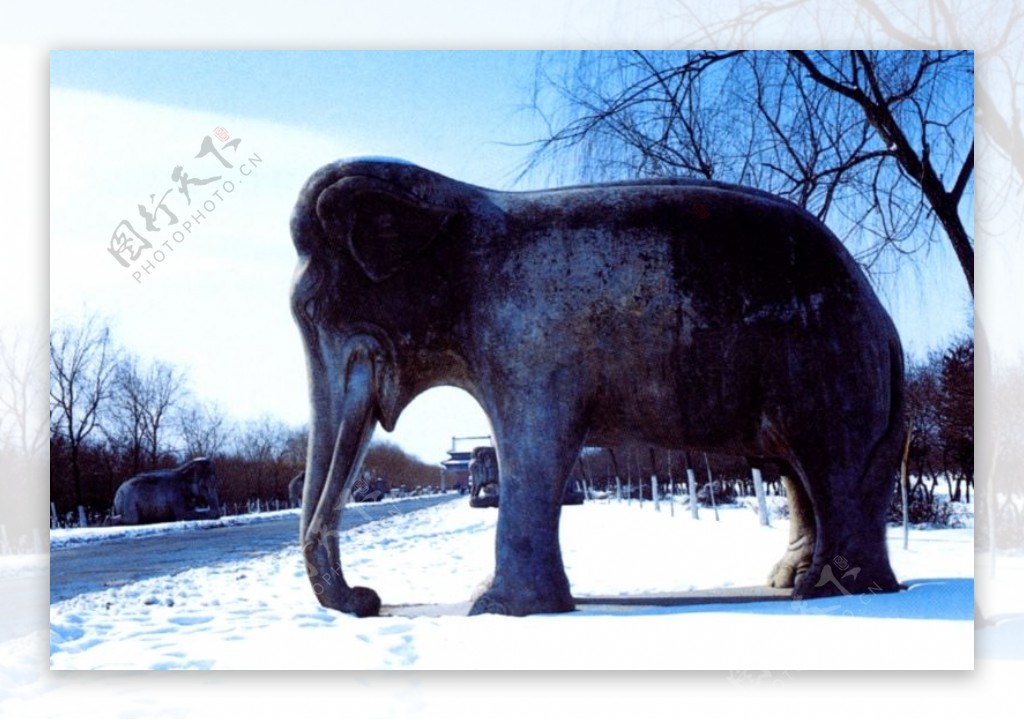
[260, 613]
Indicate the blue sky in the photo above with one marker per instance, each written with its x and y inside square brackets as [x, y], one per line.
[121, 120]
[447, 107]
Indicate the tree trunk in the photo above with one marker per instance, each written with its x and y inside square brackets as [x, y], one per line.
[905, 487]
[654, 482]
[691, 483]
[711, 487]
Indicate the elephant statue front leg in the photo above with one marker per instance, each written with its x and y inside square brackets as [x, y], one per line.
[529, 576]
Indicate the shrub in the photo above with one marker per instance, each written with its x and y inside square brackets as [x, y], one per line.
[922, 509]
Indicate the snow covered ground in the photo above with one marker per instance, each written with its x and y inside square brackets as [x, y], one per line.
[261, 614]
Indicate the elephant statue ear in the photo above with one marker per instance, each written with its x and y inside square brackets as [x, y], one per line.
[384, 226]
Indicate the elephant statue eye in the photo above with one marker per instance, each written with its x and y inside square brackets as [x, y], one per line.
[386, 226]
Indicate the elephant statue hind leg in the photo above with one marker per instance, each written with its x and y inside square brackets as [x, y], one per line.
[850, 554]
[788, 571]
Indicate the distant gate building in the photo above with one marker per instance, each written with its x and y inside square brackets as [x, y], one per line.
[455, 470]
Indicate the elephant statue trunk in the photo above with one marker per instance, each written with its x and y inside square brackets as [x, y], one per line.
[346, 406]
[685, 314]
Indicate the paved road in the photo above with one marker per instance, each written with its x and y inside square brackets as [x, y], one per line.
[95, 566]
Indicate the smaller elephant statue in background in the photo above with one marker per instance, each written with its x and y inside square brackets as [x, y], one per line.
[295, 490]
[187, 492]
[483, 477]
[484, 482]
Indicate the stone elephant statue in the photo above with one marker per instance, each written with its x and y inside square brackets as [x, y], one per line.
[680, 313]
[187, 492]
[295, 490]
[484, 481]
[483, 477]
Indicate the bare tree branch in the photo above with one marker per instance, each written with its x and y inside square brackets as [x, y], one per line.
[871, 134]
[963, 177]
[82, 363]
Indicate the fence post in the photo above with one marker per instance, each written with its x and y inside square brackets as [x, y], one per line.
[691, 483]
[629, 482]
[671, 480]
[762, 505]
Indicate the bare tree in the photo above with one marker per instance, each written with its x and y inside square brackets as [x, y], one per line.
[295, 445]
[924, 423]
[142, 399]
[22, 424]
[264, 445]
[956, 410]
[82, 363]
[204, 429]
[878, 143]
[125, 430]
[22, 437]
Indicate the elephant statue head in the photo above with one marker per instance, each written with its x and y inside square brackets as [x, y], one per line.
[201, 482]
[187, 492]
[679, 313]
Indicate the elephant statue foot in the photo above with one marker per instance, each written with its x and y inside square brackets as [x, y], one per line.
[518, 601]
[358, 601]
[851, 573]
[789, 570]
[331, 589]
[494, 604]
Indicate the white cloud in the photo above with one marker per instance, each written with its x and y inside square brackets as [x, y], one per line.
[217, 304]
